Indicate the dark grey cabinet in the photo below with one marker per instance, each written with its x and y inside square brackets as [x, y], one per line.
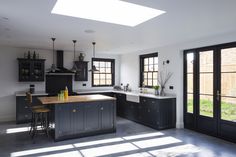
[82, 74]
[23, 112]
[156, 113]
[81, 119]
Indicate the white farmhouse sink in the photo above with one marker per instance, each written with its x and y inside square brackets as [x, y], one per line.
[132, 97]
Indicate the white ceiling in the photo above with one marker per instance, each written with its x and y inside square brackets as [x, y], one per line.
[30, 24]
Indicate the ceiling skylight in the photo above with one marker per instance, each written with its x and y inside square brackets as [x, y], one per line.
[111, 11]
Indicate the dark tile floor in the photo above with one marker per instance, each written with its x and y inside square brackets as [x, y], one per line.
[130, 140]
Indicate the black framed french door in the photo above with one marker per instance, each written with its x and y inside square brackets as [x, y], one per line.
[210, 90]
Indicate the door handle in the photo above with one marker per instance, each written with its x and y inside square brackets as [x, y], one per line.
[218, 95]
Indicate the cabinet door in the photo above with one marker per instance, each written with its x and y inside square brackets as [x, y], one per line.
[132, 110]
[82, 74]
[37, 70]
[107, 112]
[92, 116]
[24, 70]
[77, 121]
[121, 102]
[23, 112]
[63, 117]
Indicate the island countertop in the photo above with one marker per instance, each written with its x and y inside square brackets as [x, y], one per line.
[74, 99]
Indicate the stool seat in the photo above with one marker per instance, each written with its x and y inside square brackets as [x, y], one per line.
[37, 106]
[41, 110]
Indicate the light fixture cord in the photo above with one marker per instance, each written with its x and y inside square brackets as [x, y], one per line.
[94, 49]
[53, 58]
[74, 41]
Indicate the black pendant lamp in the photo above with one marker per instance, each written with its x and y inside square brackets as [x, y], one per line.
[94, 69]
[53, 66]
[74, 68]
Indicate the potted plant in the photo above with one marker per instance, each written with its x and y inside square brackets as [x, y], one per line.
[156, 88]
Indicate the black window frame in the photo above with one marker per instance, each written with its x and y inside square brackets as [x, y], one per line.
[141, 69]
[112, 71]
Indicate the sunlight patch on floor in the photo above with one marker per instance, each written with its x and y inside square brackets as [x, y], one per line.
[142, 136]
[66, 154]
[17, 130]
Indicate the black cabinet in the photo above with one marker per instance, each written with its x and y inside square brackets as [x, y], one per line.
[23, 112]
[156, 113]
[82, 74]
[82, 119]
[31, 70]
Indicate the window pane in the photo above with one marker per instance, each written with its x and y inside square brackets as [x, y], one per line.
[149, 75]
[96, 63]
[108, 64]
[96, 76]
[108, 70]
[151, 61]
[206, 83]
[108, 76]
[228, 109]
[155, 75]
[145, 82]
[228, 84]
[102, 82]
[151, 67]
[206, 61]
[155, 60]
[145, 75]
[190, 103]
[190, 58]
[156, 67]
[206, 105]
[102, 76]
[155, 83]
[228, 60]
[145, 61]
[96, 82]
[190, 83]
[102, 70]
[145, 68]
[149, 82]
[108, 82]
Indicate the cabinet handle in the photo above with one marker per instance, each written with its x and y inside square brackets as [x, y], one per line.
[101, 108]
[153, 102]
[148, 110]
[26, 116]
[74, 110]
[144, 100]
[26, 106]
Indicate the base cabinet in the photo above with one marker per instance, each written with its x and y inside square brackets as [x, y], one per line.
[82, 119]
[156, 113]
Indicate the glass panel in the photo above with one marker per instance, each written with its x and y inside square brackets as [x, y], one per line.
[149, 82]
[96, 76]
[108, 76]
[96, 63]
[145, 82]
[102, 70]
[228, 84]
[206, 105]
[145, 68]
[102, 76]
[151, 61]
[190, 103]
[155, 60]
[228, 60]
[108, 70]
[108, 82]
[96, 82]
[145, 61]
[206, 83]
[206, 61]
[108, 64]
[190, 83]
[151, 67]
[155, 83]
[190, 58]
[102, 82]
[155, 75]
[102, 64]
[228, 109]
[145, 75]
[149, 75]
[156, 67]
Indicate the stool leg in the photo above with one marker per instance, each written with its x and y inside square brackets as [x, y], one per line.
[46, 124]
[31, 123]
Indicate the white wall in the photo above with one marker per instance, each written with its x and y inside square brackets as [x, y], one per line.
[9, 76]
[130, 66]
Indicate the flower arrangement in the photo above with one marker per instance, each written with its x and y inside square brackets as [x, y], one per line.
[163, 78]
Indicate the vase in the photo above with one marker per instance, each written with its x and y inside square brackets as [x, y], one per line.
[162, 92]
[156, 92]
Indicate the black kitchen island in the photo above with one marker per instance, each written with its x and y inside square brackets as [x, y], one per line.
[80, 116]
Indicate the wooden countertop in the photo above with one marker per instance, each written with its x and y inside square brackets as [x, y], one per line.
[74, 99]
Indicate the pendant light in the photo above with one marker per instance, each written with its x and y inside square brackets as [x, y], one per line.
[94, 69]
[74, 68]
[53, 66]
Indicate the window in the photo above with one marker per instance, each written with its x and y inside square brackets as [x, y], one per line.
[149, 70]
[106, 73]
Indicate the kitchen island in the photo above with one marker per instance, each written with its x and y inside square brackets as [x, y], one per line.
[80, 116]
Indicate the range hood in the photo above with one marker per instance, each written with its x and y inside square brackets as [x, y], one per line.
[61, 70]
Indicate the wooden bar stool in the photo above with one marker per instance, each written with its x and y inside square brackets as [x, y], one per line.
[39, 117]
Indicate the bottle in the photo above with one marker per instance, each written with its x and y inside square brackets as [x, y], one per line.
[28, 55]
[66, 93]
[34, 55]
